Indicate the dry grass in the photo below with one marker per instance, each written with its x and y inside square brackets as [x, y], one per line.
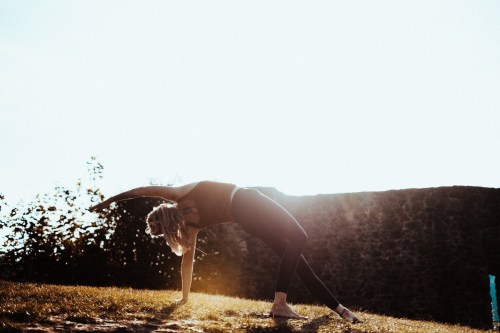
[50, 308]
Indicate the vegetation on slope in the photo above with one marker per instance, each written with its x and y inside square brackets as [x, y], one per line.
[53, 308]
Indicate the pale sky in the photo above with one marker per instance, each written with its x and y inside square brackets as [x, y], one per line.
[305, 96]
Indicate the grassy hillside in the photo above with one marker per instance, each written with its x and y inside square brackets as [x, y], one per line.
[51, 308]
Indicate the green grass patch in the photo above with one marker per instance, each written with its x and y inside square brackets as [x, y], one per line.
[49, 308]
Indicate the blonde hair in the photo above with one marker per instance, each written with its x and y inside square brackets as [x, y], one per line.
[167, 220]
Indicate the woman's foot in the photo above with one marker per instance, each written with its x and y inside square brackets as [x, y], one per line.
[347, 315]
[284, 311]
[281, 309]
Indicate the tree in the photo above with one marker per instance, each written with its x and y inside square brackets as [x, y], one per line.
[53, 237]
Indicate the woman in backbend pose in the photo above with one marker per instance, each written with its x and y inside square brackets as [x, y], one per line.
[195, 206]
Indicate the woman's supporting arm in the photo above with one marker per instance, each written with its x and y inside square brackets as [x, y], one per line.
[187, 265]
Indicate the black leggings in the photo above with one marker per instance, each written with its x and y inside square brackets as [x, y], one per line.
[264, 218]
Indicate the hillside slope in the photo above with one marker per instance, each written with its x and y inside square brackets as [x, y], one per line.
[52, 308]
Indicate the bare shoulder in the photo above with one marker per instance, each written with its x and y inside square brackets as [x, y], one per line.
[165, 192]
[181, 191]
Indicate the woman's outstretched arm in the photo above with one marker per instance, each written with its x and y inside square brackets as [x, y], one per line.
[165, 192]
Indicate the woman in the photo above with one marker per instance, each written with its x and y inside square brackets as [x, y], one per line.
[195, 206]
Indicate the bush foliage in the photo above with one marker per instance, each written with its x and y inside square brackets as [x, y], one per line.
[55, 239]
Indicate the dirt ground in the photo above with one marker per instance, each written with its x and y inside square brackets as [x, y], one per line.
[71, 324]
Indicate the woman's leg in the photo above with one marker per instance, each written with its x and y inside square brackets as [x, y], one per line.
[312, 282]
[306, 274]
[260, 216]
[315, 285]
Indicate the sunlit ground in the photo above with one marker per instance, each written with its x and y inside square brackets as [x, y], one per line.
[49, 308]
